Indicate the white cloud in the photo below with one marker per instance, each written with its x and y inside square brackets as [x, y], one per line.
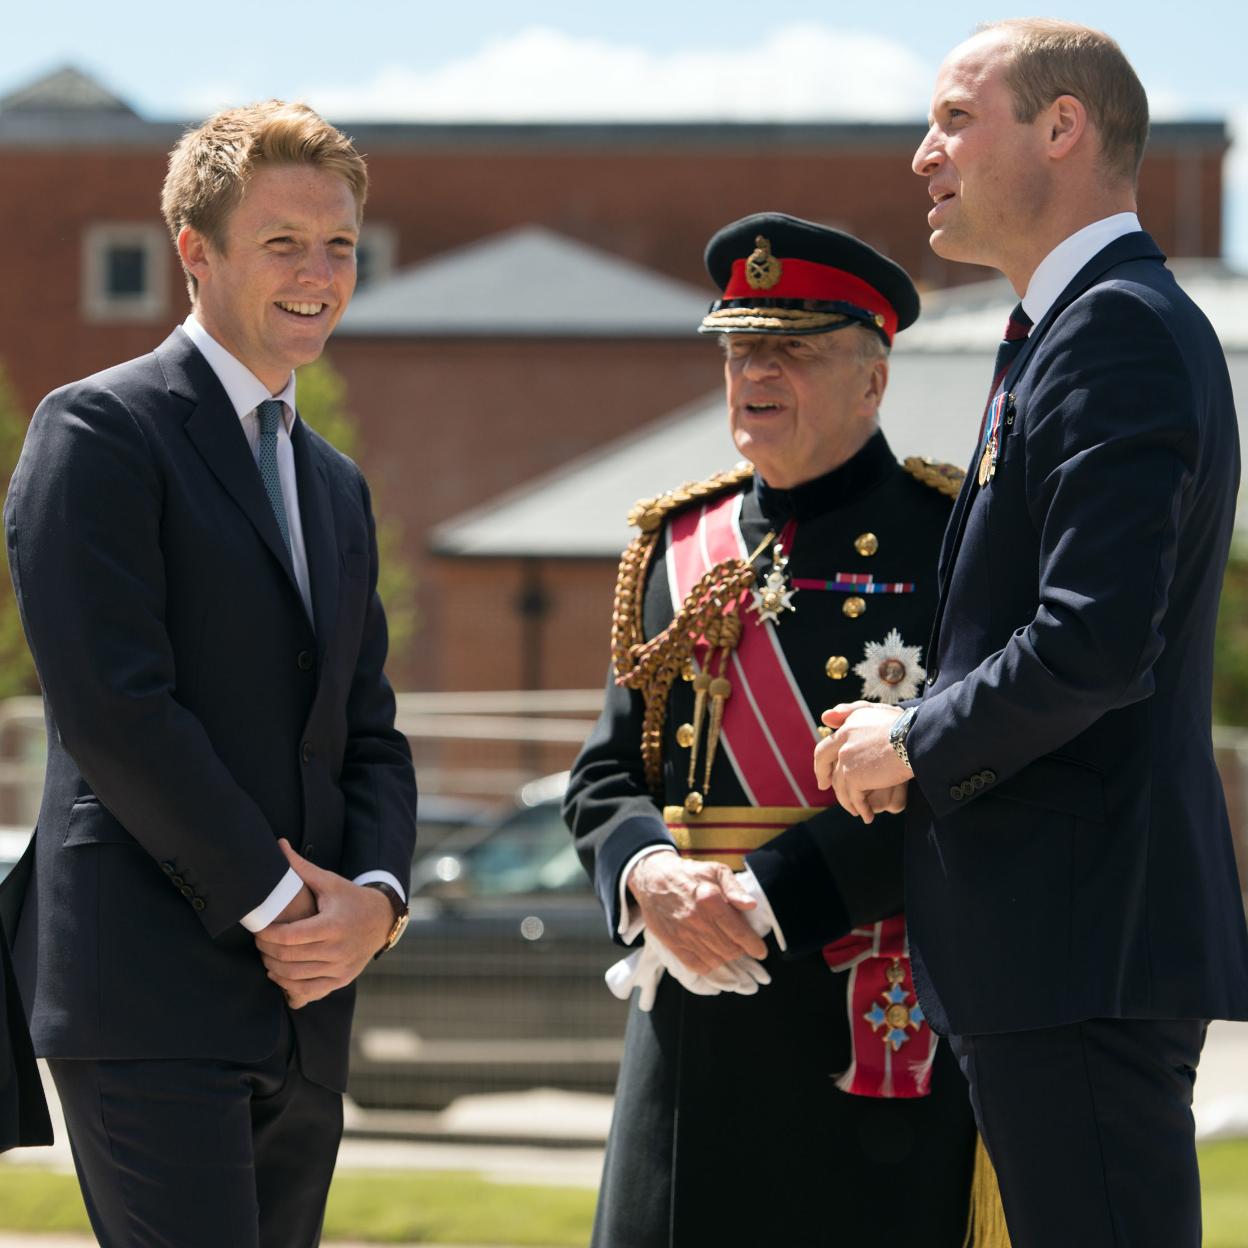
[796, 72]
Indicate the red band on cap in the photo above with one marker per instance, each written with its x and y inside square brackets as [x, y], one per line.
[804, 279]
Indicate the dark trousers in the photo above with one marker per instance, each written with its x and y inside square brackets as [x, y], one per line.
[1090, 1129]
[201, 1154]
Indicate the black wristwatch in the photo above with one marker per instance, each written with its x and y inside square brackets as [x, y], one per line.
[402, 915]
[897, 735]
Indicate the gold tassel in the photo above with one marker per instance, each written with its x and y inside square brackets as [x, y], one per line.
[701, 683]
[985, 1226]
[721, 691]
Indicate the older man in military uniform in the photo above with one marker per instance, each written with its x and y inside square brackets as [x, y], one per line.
[779, 1084]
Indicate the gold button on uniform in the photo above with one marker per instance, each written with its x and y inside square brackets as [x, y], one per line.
[684, 736]
[853, 606]
[837, 667]
[693, 803]
[866, 544]
[824, 732]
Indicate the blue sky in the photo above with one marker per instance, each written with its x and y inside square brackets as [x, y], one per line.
[644, 59]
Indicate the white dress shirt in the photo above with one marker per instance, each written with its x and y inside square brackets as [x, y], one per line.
[1054, 273]
[246, 392]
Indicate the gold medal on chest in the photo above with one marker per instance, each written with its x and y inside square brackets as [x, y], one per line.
[987, 466]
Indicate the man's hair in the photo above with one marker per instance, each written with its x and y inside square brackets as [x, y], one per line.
[871, 346]
[210, 166]
[1048, 58]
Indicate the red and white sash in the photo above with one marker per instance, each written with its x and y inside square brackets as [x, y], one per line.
[768, 736]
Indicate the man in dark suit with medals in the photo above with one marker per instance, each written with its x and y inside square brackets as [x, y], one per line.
[229, 812]
[1070, 881]
[795, 1099]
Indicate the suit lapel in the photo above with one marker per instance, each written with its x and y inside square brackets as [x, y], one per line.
[320, 538]
[214, 429]
[1134, 246]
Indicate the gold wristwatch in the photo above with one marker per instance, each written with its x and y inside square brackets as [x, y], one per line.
[402, 915]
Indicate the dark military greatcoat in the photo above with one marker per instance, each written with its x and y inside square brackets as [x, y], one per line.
[729, 1128]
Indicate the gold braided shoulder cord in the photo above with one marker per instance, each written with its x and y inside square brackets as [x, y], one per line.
[651, 667]
[648, 514]
[947, 478]
[703, 617]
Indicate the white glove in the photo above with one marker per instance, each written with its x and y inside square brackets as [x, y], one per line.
[644, 968]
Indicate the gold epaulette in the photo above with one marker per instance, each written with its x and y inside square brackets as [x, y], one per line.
[651, 667]
[947, 478]
[648, 514]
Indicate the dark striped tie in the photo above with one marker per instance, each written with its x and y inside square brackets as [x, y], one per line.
[1016, 330]
[269, 413]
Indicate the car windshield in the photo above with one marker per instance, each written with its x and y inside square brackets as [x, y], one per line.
[529, 852]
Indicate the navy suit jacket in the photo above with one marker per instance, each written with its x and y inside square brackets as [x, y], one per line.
[194, 715]
[1068, 854]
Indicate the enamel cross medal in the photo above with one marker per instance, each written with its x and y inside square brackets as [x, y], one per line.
[775, 594]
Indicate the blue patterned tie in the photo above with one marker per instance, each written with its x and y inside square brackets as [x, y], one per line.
[269, 413]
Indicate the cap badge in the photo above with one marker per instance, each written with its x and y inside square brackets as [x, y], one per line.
[762, 269]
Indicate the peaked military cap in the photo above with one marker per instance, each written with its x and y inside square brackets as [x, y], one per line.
[782, 275]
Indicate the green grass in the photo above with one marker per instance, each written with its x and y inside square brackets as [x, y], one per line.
[411, 1207]
[423, 1207]
[1224, 1181]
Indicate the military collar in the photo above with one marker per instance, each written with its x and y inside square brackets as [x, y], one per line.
[843, 485]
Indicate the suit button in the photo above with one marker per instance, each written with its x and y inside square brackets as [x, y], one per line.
[309, 852]
[977, 782]
[167, 868]
[306, 752]
[967, 788]
[956, 793]
[990, 776]
[187, 891]
[304, 660]
[198, 903]
[177, 881]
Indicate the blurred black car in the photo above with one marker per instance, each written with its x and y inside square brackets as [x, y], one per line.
[497, 985]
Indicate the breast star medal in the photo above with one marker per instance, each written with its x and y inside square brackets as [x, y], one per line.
[775, 595]
[891, 671]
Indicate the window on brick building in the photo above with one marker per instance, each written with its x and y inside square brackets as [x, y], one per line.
[375, 254]
[125, 272]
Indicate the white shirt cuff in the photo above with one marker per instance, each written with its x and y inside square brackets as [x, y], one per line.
[382, 877]
[749, 881]
[631, 923]
[277, 901]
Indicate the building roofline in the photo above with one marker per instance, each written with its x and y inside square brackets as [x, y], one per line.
[34, 129]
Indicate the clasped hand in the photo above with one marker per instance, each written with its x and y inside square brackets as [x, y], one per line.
[859, 762]
[326, 936]
[702, 928]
